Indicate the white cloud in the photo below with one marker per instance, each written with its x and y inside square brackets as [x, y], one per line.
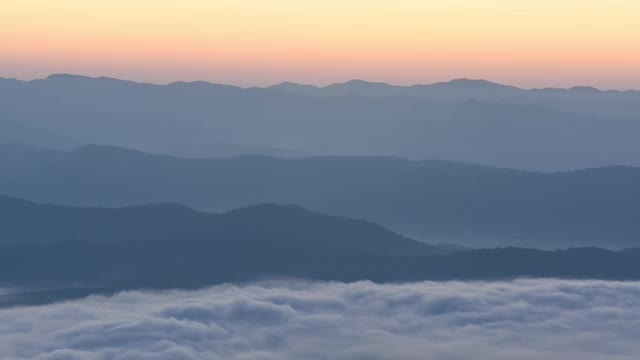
[524, 319]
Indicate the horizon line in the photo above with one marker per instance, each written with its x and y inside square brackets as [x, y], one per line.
[354, 80]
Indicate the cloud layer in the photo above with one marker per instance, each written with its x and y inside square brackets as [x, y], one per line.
[525, 319]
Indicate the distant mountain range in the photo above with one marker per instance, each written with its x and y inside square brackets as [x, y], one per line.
[434, 201]
[169, 246]
[461, 120]
[572, 99]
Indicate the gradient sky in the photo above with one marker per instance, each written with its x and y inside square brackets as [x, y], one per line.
[531, 43]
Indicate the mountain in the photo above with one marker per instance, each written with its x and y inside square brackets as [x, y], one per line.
[434, 201]
[116, 266]
[169, 246]
[26, 222]
[456, 90]
[470, 84]
[586, 100]
[463, 120]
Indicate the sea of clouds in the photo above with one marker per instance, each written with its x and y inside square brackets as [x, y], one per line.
[524, 319]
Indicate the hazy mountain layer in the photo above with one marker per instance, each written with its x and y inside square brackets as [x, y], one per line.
[463, 120]
[434, 201]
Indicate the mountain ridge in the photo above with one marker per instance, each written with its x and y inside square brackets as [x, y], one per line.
[483, 83]
[478, 125]
[435, 201]
[181, 224]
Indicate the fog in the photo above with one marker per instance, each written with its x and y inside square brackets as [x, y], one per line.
[524, 319]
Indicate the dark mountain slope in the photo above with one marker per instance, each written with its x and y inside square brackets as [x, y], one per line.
[116, 266]
[90, 250]
[289, 226]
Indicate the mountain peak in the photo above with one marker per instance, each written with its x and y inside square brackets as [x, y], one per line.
[288, 85]
[82, 79]
[585, 89]
[473, 84]
[66, 77]
[358, 82]
[202, 85]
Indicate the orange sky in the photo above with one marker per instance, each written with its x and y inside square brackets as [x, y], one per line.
[258, 42]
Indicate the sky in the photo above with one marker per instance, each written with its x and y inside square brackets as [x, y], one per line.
[530, 43]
